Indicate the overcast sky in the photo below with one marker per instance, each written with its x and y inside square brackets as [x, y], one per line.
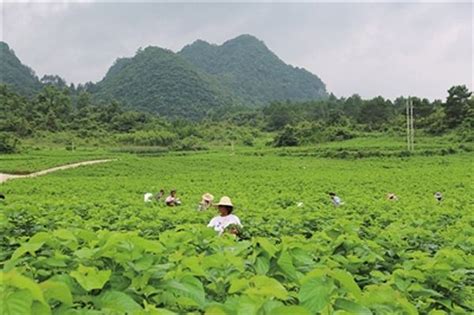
[372, 49]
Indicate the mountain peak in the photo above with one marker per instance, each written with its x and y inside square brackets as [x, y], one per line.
[4, 45]
[244, 39]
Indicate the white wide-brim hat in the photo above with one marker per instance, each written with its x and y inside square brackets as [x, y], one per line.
[225, 201]
[208, 197]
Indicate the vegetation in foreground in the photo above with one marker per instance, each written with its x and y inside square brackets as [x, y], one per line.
[87, 244]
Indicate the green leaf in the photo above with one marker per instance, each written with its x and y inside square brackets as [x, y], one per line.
[54, 290]
[38, 308]
[215, 310]
[117, 301]
[262, 265]
[292, 309]
[190, 287]
[91, 278]
[263, 286]
[347, 282]
[14, 279]
[65, 235]
[194, 264]
[267, 246]
[351, 307]
[315, 293]
[14, 303]
[285, 262]
[237, 285]
[26, 248]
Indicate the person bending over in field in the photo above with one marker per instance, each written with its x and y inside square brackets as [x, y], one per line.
[336, 201]
[206, 202]
[148, 197]
[392, 197]
[160, 194]
[172, 200]
[225, 218]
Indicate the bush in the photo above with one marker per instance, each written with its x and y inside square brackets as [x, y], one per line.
[8, 143]
[286, 138]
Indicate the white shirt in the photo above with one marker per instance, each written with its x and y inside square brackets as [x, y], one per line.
[148, 197]
[219, 223]
[336, 200]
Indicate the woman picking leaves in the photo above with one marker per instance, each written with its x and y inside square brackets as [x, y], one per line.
[226, 218]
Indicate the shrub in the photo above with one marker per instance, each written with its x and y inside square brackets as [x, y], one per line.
[8, 143]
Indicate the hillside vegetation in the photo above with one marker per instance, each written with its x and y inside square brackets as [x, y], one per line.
[254, 73]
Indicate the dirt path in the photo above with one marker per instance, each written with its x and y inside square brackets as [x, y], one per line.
[4, 177]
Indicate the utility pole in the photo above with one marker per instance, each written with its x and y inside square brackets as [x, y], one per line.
[412, 126]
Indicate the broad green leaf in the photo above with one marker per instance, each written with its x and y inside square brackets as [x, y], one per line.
[65, 235]
[347, 282]
[290, 310]
[195, 265]
[55, 290]
[116, 301]
[263, 286]
[26, 248]
[215, 310]
[15, 303]
[262, 265]
[91, 278]
[190, 287]
[143, 263]
[267, 246]
[352, 307]
[285, 262]
[237, 285]
[315, 293]
[38, 308]
[14, 279]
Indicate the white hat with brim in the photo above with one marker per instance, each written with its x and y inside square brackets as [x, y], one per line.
[225, 201]
[208, 197]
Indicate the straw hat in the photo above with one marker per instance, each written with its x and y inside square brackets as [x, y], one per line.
[225, 201]
[207, 197]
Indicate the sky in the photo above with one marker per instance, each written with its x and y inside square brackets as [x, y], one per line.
[366, 48]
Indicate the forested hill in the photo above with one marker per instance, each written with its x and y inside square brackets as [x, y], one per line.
[253, 72]
[200, 79]
[162, 82]
[15, 74]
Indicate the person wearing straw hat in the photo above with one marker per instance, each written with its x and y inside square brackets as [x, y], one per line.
[226, 218]
[206, 202]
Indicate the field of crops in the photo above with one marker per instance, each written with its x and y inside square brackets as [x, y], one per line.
[82, 241]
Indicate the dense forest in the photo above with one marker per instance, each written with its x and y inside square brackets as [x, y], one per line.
[245, 66]
[58, 109]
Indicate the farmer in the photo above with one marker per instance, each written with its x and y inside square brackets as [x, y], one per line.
[225, 217]
[336, 201]
[206, 202]
[171, 200]
[148, 197]
[392, 197]
[160, 194]
[438, 196]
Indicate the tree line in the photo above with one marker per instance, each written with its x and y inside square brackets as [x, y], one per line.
[59, 108]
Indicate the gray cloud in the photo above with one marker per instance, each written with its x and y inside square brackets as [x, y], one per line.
[387, 49]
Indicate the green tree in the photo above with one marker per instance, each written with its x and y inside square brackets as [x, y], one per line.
[286, 138]
[456, 106]
[8, 142]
